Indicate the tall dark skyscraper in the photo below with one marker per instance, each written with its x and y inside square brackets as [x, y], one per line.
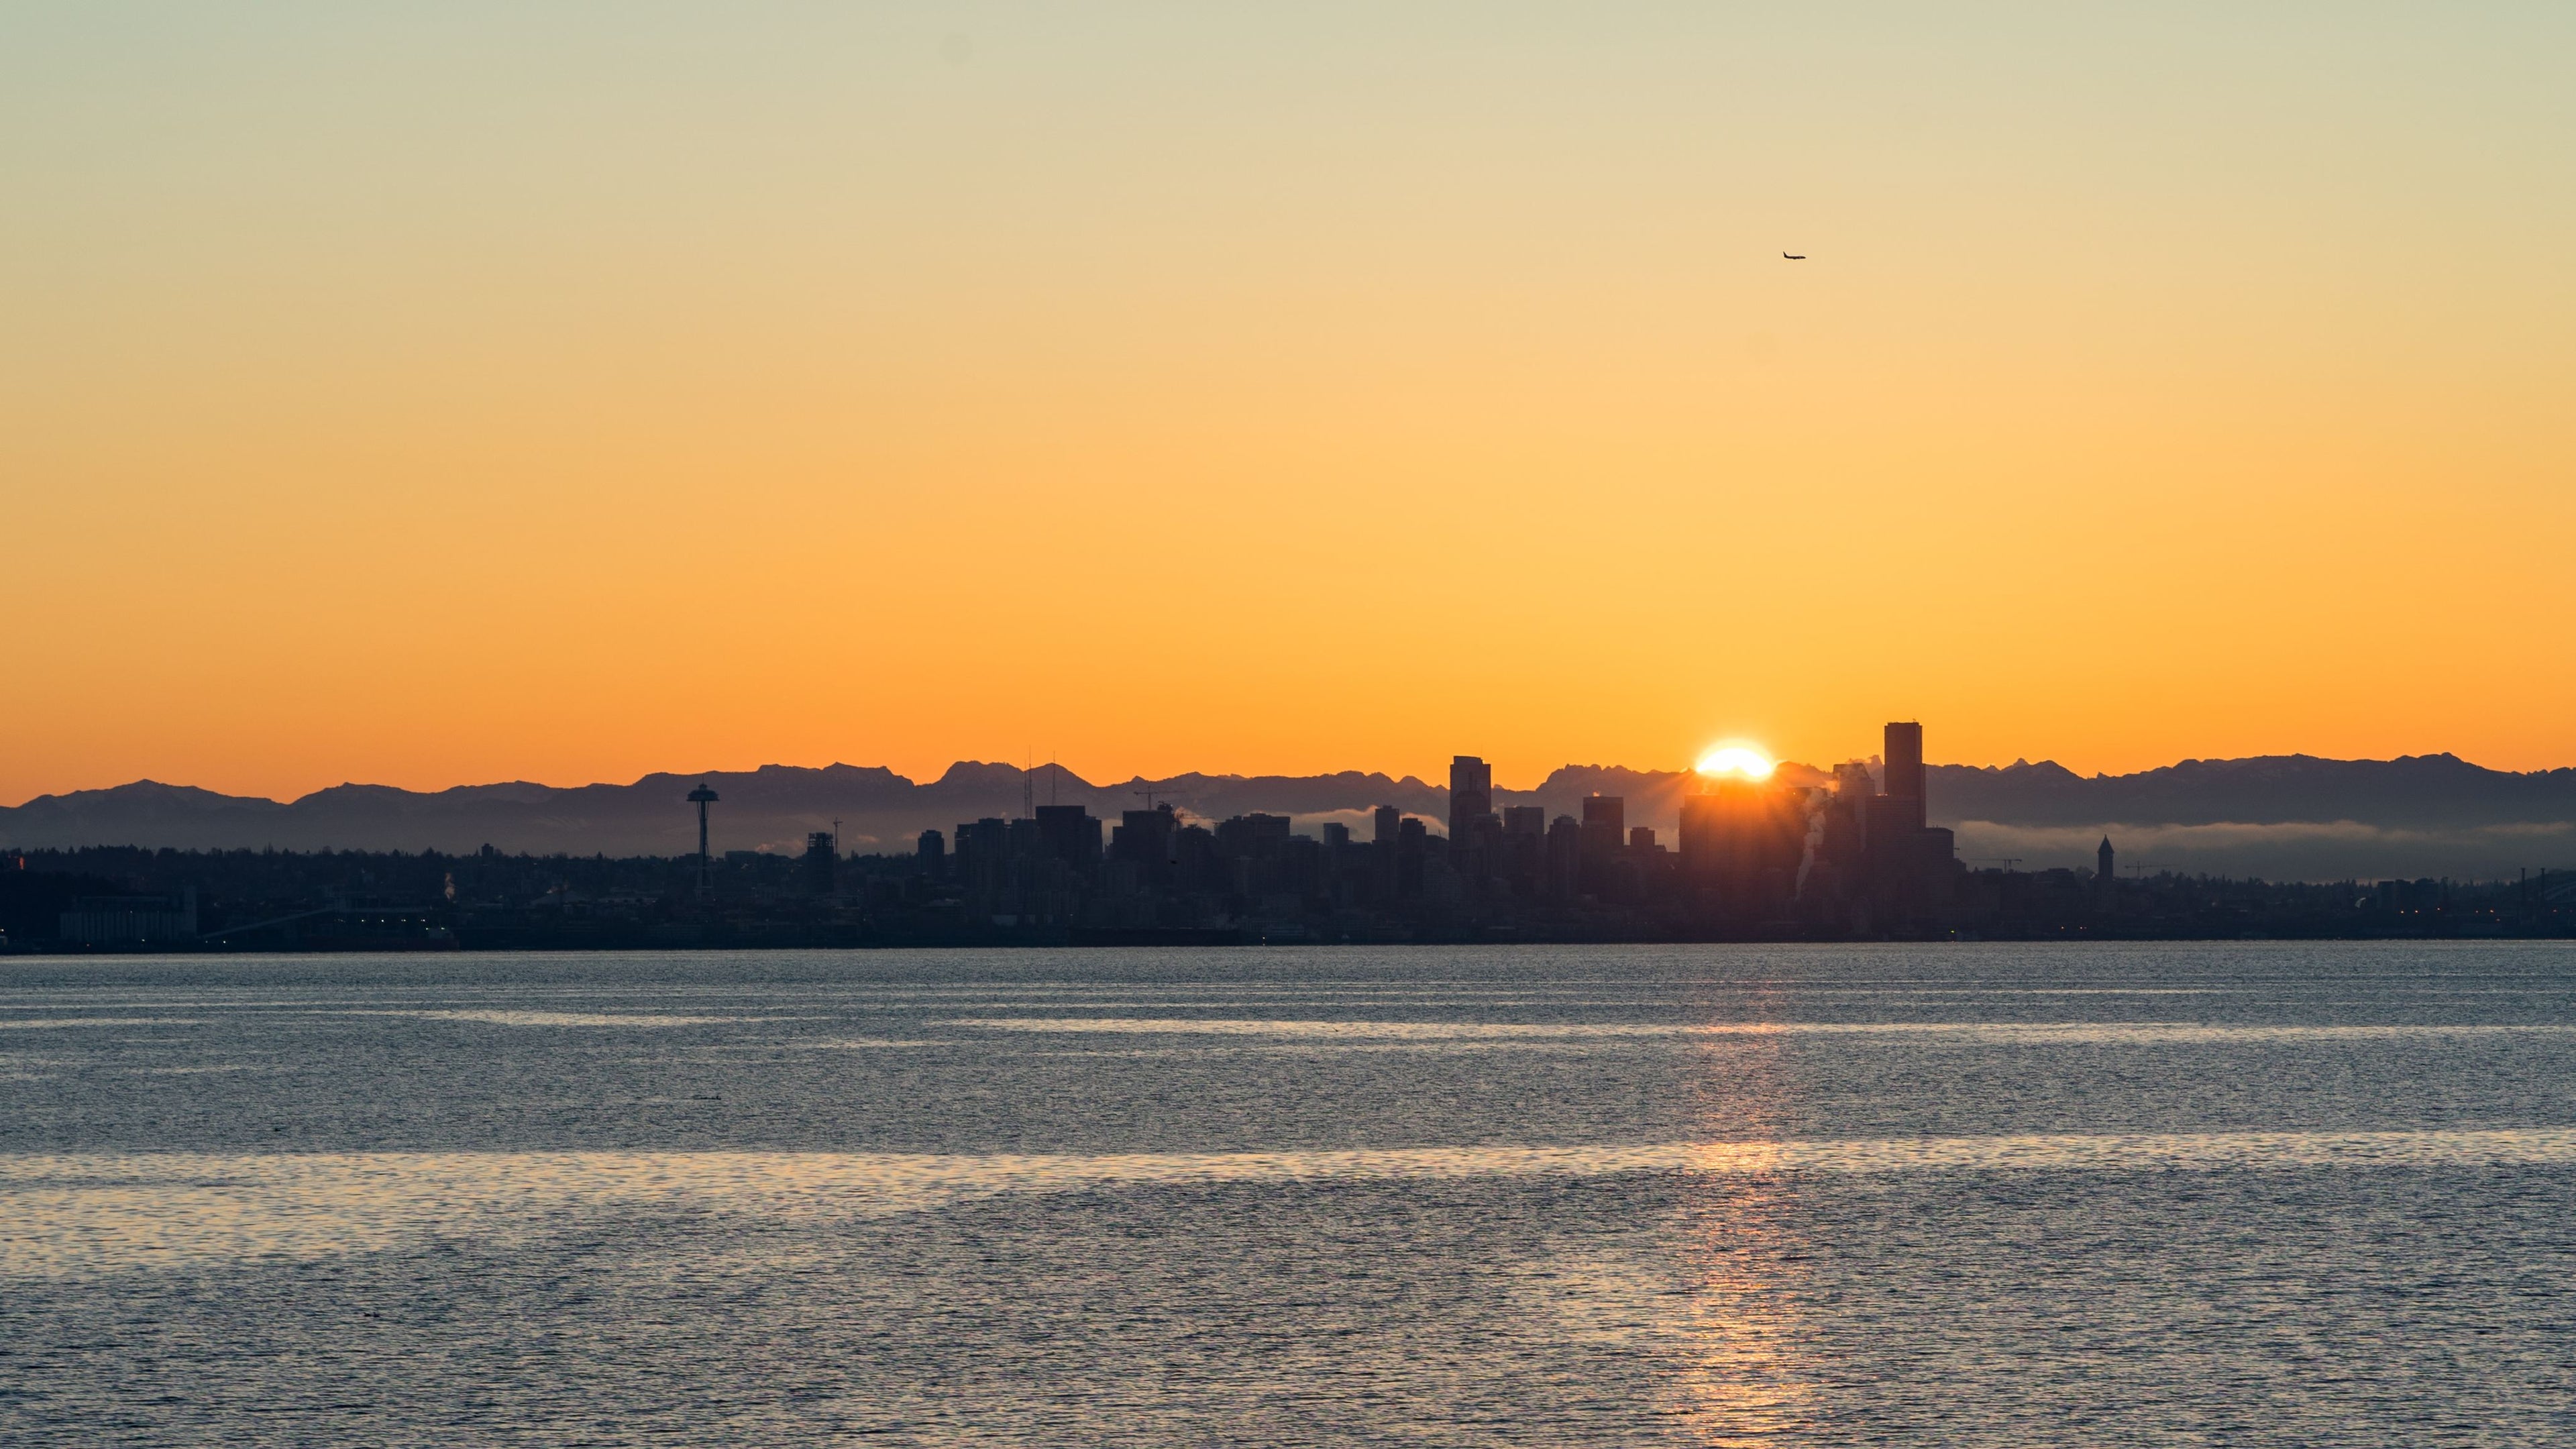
[1412, 843]
[1385, 821]
[1908, 864]
[1564, 857]
[983, 850]
[822, 861]
[1145, 836]
[1071, 834]
[1471, 794]
[1605, 822]
[1904, 767]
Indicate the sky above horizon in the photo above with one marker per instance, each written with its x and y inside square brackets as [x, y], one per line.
[427, 396]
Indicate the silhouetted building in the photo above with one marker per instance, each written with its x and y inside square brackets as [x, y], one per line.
[1847, 813]
[1480, 855]
[114, 921]
[1069, 833]
[1520, 859]
[1299, 875]
[1742, 840]
[1471, 794]
[822, 862]
[1255, 836]
[1145, 837]
[1605, 820]
[1886, 822]
[930, 853]
[1907, 864]
[1641, 839]
[1564, 858]
[1197, 865]
[983, 862]
[1412, 850]
[1384, 824]
[1703, 833]
[1903, 763]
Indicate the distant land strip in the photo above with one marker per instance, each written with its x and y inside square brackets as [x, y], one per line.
[2284, 816]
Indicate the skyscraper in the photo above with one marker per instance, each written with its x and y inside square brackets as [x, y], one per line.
[1256, 835]
[1471, 794]
[1384, 822]
[1909, 864]
[1605, 821]
[1144, 837]
[1564, 869]
[1904, 768]
[1070, 833]
[822, 862]
[983, 860]
[1412, 843]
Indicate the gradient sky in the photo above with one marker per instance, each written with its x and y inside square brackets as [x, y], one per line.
[435, 394]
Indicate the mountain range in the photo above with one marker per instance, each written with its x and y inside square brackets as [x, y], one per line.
[2282, 816]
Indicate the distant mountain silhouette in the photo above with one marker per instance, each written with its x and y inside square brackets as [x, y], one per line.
[2283, 815]
[2418, 791]
[773, 807]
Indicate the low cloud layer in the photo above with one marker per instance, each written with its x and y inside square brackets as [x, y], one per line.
[2323, 851]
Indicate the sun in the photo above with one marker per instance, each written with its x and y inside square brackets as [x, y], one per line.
[1736, 759]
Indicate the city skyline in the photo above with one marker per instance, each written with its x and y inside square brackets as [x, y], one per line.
[2296, 818]
[1741, 849]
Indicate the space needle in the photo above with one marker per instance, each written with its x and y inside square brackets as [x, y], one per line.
[702, 797]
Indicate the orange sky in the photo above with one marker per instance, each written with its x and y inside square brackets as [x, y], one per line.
[429, 400]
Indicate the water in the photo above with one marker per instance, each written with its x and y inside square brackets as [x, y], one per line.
[2243, 1194]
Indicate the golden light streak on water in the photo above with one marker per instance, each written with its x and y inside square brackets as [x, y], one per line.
[79, 1214]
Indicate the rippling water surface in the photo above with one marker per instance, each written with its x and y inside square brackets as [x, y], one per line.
[2246, 1194]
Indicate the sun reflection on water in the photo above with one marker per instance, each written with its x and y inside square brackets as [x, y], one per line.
[1745, 1377]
